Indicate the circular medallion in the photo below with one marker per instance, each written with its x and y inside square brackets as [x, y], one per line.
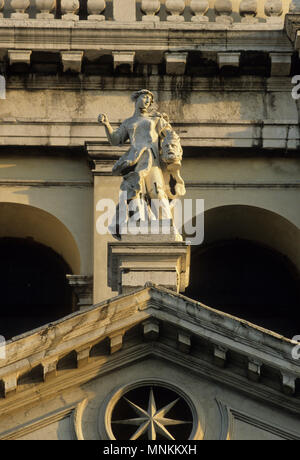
[151, 411]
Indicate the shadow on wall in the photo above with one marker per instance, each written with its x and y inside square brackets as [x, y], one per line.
[34, 289]
[36, 253]
[248, 266]
[24, 221]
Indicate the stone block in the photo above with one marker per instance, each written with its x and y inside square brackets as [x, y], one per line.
[229, 59]
[220, 356]
[254, 368]
[176, 63]
[49, 369]
[10, 384]
[83, 356]
[71, 61]
[288, 384]
[19, 56]
[123, 57]
[184, 342]
[151, 329]
[281, 64]
[116, 343]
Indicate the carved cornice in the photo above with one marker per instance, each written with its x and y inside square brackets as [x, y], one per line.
[159, 37]
[245, 83]
[111, 319]
[262, 134]
[143, 351]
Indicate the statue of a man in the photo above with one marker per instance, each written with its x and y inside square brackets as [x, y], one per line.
[151, 166]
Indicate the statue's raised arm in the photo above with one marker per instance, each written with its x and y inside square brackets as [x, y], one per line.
[117, 137]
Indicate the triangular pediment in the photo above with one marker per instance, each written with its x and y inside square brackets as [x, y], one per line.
[148, 322]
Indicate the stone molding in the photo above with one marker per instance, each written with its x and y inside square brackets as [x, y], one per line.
[230, 415]
[113, 318]
[245, 83]
[72, 411]
[87, 35]
[142, 352]
[263, 134]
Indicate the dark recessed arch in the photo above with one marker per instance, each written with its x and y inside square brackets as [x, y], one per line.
[248, 267]
[25, 221]
[33, 286]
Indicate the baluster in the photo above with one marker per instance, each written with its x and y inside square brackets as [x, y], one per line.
[223, 10]
[20, 6]
[95, 8]
[45, 6]
[199, 8]
[1, 16]
[69, 9]
[176, 8]
[248, 11]
[273, 10]
[124, 10]
[150, 8]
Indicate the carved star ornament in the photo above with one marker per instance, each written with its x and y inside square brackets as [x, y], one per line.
[152, 423]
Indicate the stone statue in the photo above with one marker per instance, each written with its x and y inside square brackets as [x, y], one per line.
[151, 166]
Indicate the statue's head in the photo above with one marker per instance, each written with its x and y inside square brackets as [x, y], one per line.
[144, 98]
[171, 148]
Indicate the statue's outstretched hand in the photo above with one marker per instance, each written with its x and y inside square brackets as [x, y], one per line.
[103, 120]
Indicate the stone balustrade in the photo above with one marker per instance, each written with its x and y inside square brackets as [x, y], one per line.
[168, 11]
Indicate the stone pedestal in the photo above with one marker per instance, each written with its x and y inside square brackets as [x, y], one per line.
[139, 259]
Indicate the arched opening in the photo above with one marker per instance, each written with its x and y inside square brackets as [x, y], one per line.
[33, 286]
[248, 266]
[24, 221]
[247, 280]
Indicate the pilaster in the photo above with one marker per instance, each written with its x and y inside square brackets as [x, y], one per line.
[102, 157]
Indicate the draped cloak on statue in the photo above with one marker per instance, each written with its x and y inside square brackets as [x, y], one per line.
[144, 171]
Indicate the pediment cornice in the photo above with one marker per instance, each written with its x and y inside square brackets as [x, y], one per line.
[164, 324]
